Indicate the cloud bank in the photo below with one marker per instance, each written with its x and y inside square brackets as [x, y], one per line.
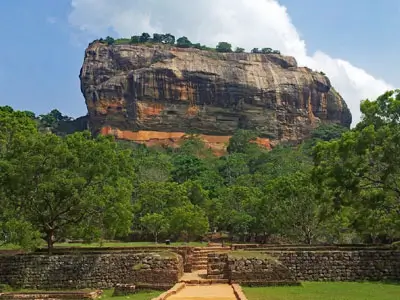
[244, 23]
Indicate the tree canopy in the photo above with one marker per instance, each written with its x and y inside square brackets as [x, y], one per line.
[181, 42]
[338, 186]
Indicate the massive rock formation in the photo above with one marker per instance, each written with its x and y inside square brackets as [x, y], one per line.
[158, 93]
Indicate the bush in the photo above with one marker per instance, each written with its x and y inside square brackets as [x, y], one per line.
[239, 50]
[395, 245]
[224, 47]
[183, 42]
[5, 288]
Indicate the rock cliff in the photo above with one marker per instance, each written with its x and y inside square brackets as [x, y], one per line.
[158, 93]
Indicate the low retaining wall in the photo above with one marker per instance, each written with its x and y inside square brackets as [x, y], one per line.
[90, 270]
[341, 265]
[292, 266]
[260, 270]
[185, 251]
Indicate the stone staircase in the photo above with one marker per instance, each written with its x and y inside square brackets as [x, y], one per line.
[217, 266]
[200, 256]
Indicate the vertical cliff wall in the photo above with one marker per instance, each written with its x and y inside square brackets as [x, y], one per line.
[158, 93]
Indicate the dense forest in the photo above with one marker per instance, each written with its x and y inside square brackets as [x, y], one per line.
[339, 186]
[182, 42]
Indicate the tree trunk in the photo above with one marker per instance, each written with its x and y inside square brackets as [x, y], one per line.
[156, 237]
[50, 241]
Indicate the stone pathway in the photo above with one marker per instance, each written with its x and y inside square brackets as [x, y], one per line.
[196, 285]
[206, 292]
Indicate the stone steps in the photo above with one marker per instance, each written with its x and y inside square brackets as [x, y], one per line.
[196, 267]
[205, 281]
[200, 256]
[217, 276]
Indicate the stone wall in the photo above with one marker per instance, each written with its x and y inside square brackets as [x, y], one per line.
[293, 266]
[89, 270]
[257, 270]
[185, 251]
[341, 265]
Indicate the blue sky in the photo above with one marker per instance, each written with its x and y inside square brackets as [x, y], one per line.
[42, 46]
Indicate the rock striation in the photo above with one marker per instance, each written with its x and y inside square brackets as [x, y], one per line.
[157, 93]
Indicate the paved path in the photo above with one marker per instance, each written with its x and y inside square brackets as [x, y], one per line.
[206, 292]
[196, 275]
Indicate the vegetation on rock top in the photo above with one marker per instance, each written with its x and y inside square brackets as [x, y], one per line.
[182, 42]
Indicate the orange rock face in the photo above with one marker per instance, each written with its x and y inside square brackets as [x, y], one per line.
[217, 144]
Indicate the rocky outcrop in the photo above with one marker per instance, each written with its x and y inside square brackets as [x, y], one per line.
[158, 93]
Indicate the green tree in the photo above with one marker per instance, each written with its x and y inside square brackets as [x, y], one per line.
[158, 197]
[151, 165]
[155, 224]
[144, 38]
[187, 167]
[295, 206]
[266, 50]
[73, 186]
[183, 42]
[16, 128]
[168, 39]
[327, 132]
[30, 114]
[188, 221]
[238, 213]
[135, 39]
[157, 38]
[239, 50]
[363, 168]
[109, 40]
[224, 47]
[232, 166]
[53, 119]
[282, 160]
[193, 145]
[241, 140]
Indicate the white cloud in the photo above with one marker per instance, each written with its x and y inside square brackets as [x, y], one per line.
[245, 23]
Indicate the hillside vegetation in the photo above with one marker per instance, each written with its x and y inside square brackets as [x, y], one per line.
[338, 186]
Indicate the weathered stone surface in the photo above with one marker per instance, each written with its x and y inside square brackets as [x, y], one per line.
[158, 93]
[293, 266]
[89, 270]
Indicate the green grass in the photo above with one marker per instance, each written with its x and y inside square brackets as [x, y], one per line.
[145, 295]
[107, 294]
[133, 244]
[115, 244]
[9, 247]
[327, 291]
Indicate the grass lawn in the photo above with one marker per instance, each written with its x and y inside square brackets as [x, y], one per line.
[107, 294]
[9, 247]
[145, 295]
[133, 244]
[326, 291]
[95, 245]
